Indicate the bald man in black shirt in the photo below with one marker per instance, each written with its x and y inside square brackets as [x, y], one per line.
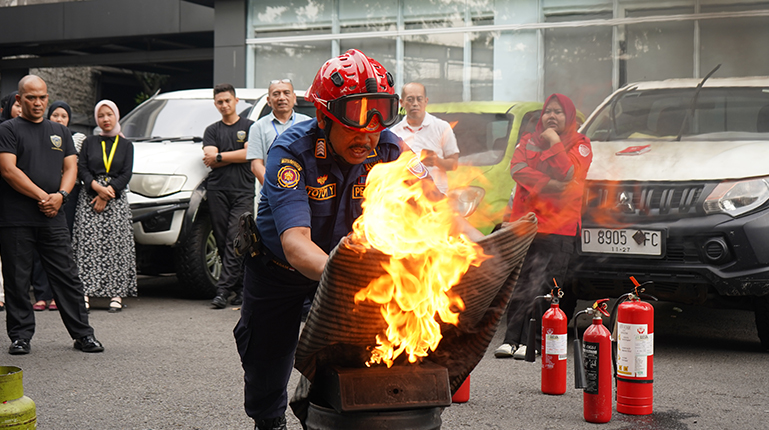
[38, 163]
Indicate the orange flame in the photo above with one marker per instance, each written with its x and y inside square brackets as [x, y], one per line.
[403, 219]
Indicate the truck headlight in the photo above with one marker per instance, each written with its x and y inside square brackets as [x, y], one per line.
[156, 185]
[737, 197]
[465, 200]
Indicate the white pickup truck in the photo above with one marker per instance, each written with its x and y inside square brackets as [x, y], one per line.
[167, 192]
[678, 194]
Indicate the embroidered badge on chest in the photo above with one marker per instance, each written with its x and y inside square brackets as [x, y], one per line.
[56, 140]
[241, 135]
[357, 191]
[322, 193]
[322, 179]
[288, 177]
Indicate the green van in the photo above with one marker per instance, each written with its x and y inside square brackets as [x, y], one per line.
[487, 133]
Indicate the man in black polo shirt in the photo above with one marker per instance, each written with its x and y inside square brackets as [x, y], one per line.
[38, 163]
[230, 188]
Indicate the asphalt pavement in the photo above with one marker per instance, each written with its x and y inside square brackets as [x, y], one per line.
[171, 363]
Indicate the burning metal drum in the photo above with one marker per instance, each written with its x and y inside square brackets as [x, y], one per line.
[340, 332]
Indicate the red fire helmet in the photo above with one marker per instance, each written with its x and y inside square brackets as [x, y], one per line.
[356, 92]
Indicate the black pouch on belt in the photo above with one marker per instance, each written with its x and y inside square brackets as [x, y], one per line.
[247, 240]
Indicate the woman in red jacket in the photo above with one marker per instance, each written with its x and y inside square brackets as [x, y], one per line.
[549, 167]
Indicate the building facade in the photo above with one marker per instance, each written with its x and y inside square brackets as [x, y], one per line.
[511, 49]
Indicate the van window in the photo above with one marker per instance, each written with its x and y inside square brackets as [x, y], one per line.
[482, 138]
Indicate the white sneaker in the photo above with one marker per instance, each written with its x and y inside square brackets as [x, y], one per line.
[520, 352]
[504, 351]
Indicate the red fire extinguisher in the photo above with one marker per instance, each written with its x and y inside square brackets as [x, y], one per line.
[593, 364]
[634, 352]
[554, 345]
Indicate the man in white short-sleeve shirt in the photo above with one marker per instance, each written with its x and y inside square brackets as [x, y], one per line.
[427, 135]
[281, 98]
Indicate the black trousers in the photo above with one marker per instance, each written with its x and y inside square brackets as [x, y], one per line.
[226, 207]
[40, 284]
[53, 244]
[548, 258]
[268, 332]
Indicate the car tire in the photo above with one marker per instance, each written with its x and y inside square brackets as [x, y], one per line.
[761, 309]
[198, 264]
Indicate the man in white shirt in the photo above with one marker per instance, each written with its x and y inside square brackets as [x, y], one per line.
[281, 98]
[427, 135]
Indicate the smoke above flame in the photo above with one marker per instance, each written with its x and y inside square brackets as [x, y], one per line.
[409, 220]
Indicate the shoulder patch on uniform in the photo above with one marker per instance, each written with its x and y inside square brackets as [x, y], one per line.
[322, 193]
[417, 168]
[584, 150]
[291, 162]
[288, 177]
[56, 140]
[320, 148]
[241, 136]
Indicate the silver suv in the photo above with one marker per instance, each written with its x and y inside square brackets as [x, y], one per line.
[167, 192]
[678, 193]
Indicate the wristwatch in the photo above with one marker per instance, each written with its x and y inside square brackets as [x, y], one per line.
[64, 194]
[218, 158]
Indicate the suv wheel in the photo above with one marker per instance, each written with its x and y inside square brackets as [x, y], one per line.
[198, 264]
[761, 308]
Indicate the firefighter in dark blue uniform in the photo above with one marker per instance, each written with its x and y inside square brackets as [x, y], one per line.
[313, 189]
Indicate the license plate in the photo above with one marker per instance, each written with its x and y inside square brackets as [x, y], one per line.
[627, 241]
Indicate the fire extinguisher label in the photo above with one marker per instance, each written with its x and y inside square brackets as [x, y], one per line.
[556, 344]
[590, 357]
[634, 345]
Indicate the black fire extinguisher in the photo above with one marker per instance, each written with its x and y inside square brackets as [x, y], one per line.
[554, 343]
[634, 351]
[593, 364]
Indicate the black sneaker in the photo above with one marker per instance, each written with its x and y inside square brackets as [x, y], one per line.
[220, 301]
[278, 423]
[19, 346]
[88, 344]
[237, 300]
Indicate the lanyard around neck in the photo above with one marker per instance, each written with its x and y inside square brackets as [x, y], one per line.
[277, 134]
[108, 161]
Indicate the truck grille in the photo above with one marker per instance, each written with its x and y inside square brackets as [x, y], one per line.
[607, 201]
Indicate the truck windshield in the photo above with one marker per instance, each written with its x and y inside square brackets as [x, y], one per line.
[175, 118]
[720, 113]
[482, 138]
